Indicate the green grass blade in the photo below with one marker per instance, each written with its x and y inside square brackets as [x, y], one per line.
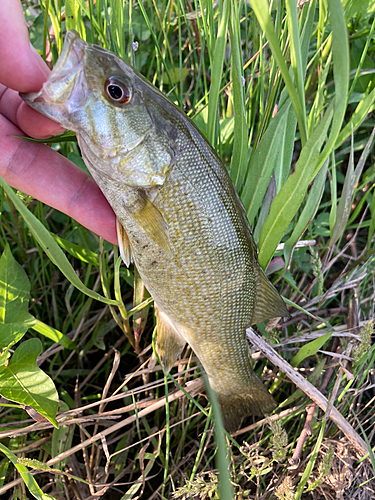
[53, 334]
[308, 213]
[296, 53]
[240, 142]
[311, 462]
[28, 479]
[310, 349]
[289, 199]
[51, 248]
[351, 180]
[365, 107]
[217, 72]
[222, 464]
[154, 37]
[262, 163]
[363, 56]
[340, 60]
[70, 14]
[77, 251]
[372, 224]
[261, 9]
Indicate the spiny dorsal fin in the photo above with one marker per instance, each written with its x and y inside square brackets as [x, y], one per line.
[168, 343]
[124, 244]
[268, 304]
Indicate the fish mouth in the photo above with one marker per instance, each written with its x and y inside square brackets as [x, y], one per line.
[61, 82]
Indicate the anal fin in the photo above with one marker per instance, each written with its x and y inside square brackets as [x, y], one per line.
[268, 304]
[169, 344]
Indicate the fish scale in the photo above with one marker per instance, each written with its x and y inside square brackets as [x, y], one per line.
[179, 217]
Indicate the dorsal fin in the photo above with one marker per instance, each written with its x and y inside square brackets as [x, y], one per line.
[268, 304]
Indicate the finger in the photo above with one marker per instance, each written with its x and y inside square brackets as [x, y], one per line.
[21, 66]
[46, 175]
[27, 119]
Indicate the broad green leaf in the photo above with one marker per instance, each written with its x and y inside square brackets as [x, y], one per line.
[263, 162]
[310, 349]
[53, 334]
[49, 245]
[14, 300]
[4, 355]
[22, 381]
[308, 213]
[28, 479]
[289, 198]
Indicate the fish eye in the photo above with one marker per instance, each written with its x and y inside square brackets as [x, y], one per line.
[117, 91]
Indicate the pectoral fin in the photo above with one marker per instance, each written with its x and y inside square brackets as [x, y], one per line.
[269, 304]
[151, 221]
[169, 344]
[124, 244]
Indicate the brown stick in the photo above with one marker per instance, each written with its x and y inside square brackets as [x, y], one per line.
[311, 391]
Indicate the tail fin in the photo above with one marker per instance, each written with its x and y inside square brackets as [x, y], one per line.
[234, 407]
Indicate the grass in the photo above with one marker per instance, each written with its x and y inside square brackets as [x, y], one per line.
[286, 97]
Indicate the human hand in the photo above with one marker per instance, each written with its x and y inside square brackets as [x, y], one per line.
[33, 167]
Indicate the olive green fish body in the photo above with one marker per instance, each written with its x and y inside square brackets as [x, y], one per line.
[179, 217]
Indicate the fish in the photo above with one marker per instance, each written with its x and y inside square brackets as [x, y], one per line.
[179, 217]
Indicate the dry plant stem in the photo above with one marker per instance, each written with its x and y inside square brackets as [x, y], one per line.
[341, 372]
[311, 391]
[306, 432]
[102, 361]
[78, 403]
[55, 348]
[194, 387]
[115, 365]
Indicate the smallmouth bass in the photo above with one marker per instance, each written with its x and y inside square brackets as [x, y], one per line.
[178, 217]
